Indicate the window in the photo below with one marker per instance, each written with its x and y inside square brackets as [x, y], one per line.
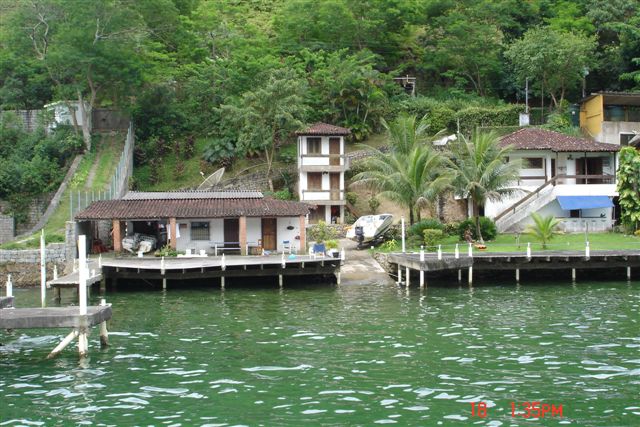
[625, 138]
[314, 181]
[532, 163]
[314, 145]
[199, 231]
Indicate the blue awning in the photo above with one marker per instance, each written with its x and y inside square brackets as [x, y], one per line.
[568, 203]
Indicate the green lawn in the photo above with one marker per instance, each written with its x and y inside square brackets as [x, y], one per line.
[509, 243]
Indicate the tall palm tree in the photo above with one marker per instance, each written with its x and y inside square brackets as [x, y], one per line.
[482, 171]
[412, 173]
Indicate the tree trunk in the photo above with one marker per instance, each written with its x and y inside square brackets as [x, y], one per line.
[84, 114]
[410, 216]
[476, 213]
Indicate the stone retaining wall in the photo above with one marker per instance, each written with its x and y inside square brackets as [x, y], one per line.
[55, 253]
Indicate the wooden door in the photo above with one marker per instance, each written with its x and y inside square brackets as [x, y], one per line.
[580, 169]
[594, 167]
[334, 185]
[314, 181]
[231, 232]
[553, 168]
[334, 151]
[269, 234]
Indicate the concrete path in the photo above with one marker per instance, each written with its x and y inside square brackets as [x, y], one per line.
[360, 267]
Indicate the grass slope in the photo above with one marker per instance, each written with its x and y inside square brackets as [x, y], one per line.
[104, 158]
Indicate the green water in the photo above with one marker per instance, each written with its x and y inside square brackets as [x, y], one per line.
[354, 355]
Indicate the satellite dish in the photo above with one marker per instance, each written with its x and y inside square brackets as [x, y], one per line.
[212, 180]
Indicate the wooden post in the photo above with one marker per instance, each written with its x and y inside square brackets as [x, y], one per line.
[407, 271]
[573, 274]
[243, 234]
[82, 274]
[628, 273]
[517, 275]
[164, 283]
[403, 241]
[117, 236]
[173, 232]
[65, 342]
[43, 271]
[399, 274]
[303, 235]
[459, 276]
[470, 276]
[338, 281]
[280, 281]
[223, 267]
[104, 334]
[421, 270]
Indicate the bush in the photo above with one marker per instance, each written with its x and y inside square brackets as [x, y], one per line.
[451, 228]
[166, 251]
[418, 228]
[321, 232]
[374, 204]
[432, 237]
[352, 197]
[487, 228]
[331, 244]
[283, 194]
[390, 245]
[637, 233]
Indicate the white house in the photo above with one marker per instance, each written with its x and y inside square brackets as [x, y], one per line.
[214, 221]
[571, 178]
[62, 115]
[321, 167]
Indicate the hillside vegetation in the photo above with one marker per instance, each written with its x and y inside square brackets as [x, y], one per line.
[226, 81]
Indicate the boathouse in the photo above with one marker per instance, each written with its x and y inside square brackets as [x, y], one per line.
[233, 222]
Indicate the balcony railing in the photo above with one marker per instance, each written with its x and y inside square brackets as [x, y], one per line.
[323, 195]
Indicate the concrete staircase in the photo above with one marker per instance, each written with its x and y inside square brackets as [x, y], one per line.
[508, 219]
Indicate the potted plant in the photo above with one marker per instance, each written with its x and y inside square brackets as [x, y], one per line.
[332, 248]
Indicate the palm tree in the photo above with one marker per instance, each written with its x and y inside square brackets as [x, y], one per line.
[482, 171]
[412, 173]
[543, 228]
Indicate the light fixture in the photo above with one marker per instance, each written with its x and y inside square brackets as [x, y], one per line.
[570, 157]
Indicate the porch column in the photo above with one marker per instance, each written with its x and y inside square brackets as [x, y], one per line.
[117, 236]
[243, 235]
[172, 230]
[303, 235]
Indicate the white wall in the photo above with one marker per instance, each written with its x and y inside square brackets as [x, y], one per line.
[254, 231]
[290, 235]
[611, 131]
[216, 234]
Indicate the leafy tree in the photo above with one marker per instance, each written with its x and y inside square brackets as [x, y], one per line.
[629, 187]
[86, 48]
[481, 171]
[543, 228]
[552, 60]
[411, 174]
[267, 116]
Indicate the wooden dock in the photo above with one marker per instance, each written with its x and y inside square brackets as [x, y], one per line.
[80, 318]
[222, 267]
[508, 261]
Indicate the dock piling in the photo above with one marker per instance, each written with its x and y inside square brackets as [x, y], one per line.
[65, 342]
[55, 272]
[517, 275]
[399, 274]
[456, 253]
[403, 241]
[421, 270]
[470, 276]
[104, 334]
[470, 250]
[587, 251]
[573, 274]
[43, 271]
[628, 273]
[407, 273]
[280, 280]
[164, 283]
[9, 286]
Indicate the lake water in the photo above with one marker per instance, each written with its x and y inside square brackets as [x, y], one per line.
[350, 355]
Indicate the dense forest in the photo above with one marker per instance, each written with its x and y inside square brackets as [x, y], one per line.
[246, 73]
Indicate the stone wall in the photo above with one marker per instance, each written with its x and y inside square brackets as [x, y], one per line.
[24, 265]
[7, 230]
[340, 230]
[33, 212]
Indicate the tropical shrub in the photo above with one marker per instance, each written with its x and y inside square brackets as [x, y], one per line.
[283, 194]
[543, 228]
[629, 187]
[432, 237]
[390, 245]
[374, 204]
[331, 244]
[321, 232]
[487, 228]
[418, 228]
[220, 151]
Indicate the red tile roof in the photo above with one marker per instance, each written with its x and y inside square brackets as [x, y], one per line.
[542, 139]
[191, 208]
[324, 129]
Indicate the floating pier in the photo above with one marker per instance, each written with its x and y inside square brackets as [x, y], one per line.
[516, 262]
